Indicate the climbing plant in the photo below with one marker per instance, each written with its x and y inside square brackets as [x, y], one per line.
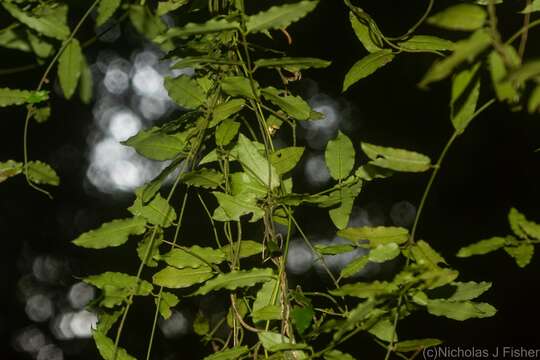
[221, 156]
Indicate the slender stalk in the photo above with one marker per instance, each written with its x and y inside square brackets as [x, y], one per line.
[40, 85]
[518, 33]
[524, 35]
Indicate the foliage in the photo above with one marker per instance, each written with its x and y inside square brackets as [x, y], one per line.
[215, 150]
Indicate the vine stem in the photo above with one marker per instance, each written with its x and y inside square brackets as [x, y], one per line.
[524, 35]
[158, 303]
[513, 38]
[437, 167]
[40, 85]
[429, 185]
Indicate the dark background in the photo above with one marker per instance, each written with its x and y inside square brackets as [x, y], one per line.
[490, 169]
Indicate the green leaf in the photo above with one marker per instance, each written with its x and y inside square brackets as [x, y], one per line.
[113, 233]
[174, 278]
[337, 355]
[69, 68]
[294, 106]
[370, 172]
[302, 318]
[247, 248]
[41, 114]
[238, 86]
[340, 215]
[396, 159]
[226, 110]
[153, 253]
[379, 235]
[105, 10]
[465, 17]
[424, 254]
[339, 156]
[156, 212]
[185, 91]
[482, 247]
[415, 345]
[464, 50]
[19, 97]
[86, 83]
[522, 254]
[465, 81]
[268, 312]
[226, 131]
[232, 207]
[9, 169]
[354, 266]
[204, 178]
[469, 290]
[193, 257]
[273, 341]
[229, 354]
[284, 160]
[426, 43]
[106, 348]
[384, 330]
[106, 320]
[369, 39]
[460, 310]
[292, 64]
[384, 253]
[358, 314]
[436, 277]
[201, 326]
[165, 304]
[531, 7]
[279, 17]
[40, 46]
[266, 296]
[367, 66]
[165, 7]
[47, 20]
[236, 279]
[42, 173]
[14, 39]
[155, 144]
[365, 290]
[245, 184]
[117, 287]
[533, 104]
[333, 249]
[145, 22]
[211, 26]
[523, 227]
[256, 164]
[504, 89]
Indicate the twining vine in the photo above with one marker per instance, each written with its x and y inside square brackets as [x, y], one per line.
[220, 151]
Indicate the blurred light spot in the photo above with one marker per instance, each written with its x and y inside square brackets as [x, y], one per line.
[30, 340]
[116, 81]
[318, 132]
[175, 326]
[61, 326]
[80, 295]
[403, 214]
[145, 58]
[104, 58]
[124, 124]
[152, 108]
[82, 323]
[359, 217]
[148, 82]
[47, 269]
[50, 352]
[299, 258]
[316, 171]
[39, 308]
